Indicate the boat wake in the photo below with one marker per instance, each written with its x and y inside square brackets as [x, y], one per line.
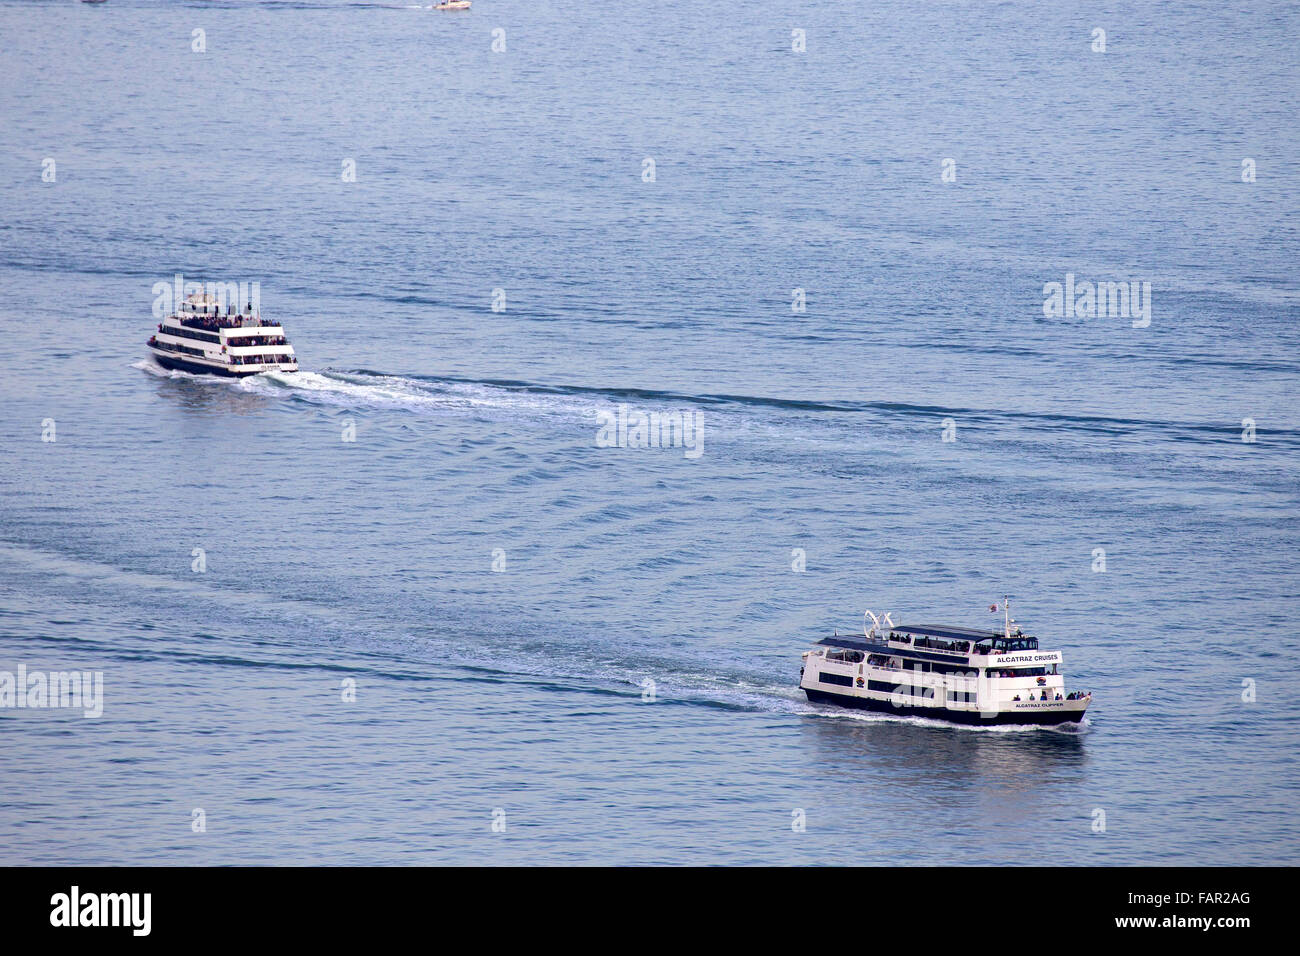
[364, 389]
[400, 654]
[435, 397]
[804, 419]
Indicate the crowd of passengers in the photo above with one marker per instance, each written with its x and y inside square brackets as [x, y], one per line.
[257, 340]
[1073, 695]
[230, 320]
[961, 647]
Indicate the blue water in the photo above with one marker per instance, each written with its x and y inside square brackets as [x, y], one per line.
[521, 690]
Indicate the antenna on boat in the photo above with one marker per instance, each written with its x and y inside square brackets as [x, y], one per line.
[1006, 611]
[875, 623]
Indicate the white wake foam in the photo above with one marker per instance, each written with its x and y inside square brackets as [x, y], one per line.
[352, 390]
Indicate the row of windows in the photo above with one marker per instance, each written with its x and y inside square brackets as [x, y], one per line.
[173, 347]
[260, 359]
[960, 647]
[190, 334]
[951, 669]
[1021, 671]
[925, 667]
[910, 690]
[242, 341]
[929, 667]
[1002, 645]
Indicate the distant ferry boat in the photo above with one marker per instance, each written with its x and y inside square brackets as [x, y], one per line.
[950, 673]
[198, 337]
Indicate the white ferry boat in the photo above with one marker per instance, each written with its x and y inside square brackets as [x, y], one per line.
[951, 673]
[199, 337]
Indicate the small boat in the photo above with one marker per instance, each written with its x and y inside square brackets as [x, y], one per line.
[453, 5]
[203, 338]
[956, 674]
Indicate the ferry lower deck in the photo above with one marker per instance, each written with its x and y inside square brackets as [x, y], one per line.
[1046, 713]
[196, 367]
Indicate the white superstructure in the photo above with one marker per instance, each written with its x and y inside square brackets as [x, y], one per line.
[201, 337]
[951, 673]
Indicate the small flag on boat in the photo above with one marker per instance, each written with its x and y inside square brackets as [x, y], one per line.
[993, 607]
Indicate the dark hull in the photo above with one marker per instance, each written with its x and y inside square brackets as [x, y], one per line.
[1042, 717]
[198, 368]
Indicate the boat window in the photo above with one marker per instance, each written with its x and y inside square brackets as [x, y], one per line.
[962, 670]
[960, 647]
[840, 654]
[1003, 645]
[843, 680]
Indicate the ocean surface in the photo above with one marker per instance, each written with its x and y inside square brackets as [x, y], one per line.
[475, 635]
